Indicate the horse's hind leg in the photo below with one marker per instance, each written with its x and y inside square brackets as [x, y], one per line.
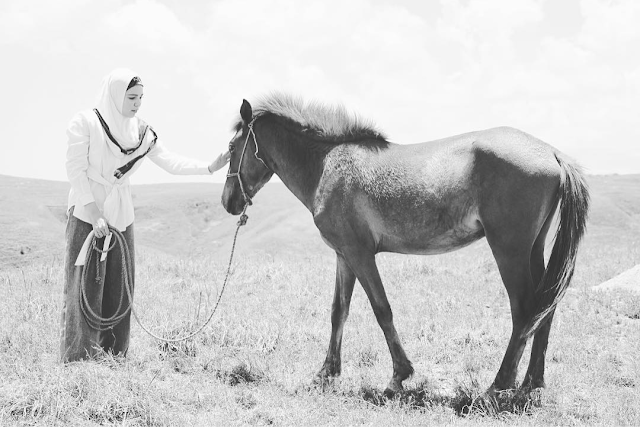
[535, 373]
[514, 269]
[345, 281]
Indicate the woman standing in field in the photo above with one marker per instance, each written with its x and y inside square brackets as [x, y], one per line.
[105, 146]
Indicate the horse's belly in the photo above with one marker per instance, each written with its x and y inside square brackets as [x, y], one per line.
[431, 238]
[433, 245]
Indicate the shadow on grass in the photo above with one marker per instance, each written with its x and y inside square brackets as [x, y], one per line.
[242, 372]
[418, 398]
[186, 348]
[469, 401]
[466, 401]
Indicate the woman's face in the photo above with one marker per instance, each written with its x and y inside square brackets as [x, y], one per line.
[132, 101]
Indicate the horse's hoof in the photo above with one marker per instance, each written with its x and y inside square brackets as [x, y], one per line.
[496, 391]
[389, 393]
[531, 393]
[324, 383]
[393, 389]
[529, 387]
[492, 391]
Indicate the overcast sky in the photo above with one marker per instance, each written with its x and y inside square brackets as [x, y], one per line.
[565, 71]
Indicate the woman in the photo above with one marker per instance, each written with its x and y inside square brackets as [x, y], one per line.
[106, 146]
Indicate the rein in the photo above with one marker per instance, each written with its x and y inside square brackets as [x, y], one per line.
[99, 323]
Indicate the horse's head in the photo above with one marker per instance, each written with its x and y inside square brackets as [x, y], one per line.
[248, 171]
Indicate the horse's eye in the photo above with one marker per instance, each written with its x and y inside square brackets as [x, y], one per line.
[231, 148]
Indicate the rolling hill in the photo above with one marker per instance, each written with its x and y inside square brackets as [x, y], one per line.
[188, 219]
[178, 219]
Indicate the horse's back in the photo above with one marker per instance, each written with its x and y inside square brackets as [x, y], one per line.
[508, 145]
[438, 196]
[474, 160]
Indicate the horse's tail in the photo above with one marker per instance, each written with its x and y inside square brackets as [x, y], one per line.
[574, 207]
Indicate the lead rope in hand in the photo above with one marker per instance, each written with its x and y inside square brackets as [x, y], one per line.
[99, 323]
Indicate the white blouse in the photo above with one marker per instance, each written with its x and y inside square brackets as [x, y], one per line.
[91, 163]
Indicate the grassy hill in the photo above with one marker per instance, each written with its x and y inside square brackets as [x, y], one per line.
[254, 363]
[189, 220]
[177, 219]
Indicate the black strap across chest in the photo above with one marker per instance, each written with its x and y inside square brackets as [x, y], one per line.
[142, 132]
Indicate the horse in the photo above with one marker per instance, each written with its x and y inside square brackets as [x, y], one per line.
[368, 195]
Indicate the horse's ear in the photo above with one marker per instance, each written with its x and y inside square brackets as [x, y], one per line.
[246, 113]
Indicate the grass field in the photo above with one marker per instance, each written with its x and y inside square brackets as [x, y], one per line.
[255, 363]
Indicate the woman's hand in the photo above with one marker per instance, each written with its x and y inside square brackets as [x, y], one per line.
[219, 162]
[99, 223]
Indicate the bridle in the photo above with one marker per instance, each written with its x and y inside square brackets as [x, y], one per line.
[247, 199]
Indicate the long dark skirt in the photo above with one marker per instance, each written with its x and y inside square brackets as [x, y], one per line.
[78, 339]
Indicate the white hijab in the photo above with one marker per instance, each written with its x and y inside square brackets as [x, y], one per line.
[110, 100]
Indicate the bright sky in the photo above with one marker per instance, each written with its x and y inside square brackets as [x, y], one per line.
[565, 71]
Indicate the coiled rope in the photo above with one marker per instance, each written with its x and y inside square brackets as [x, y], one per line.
[100, 323]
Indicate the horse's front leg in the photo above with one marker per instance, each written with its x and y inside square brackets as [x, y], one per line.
[367, 273]
[345, 280]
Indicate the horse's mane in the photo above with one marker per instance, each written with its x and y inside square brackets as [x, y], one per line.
[320, 121]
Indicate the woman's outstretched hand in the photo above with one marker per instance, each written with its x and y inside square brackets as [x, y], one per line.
[219, 162]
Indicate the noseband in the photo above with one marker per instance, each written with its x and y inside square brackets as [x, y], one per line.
[247, 199]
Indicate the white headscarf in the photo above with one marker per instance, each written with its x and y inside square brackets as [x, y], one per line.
[111, 98]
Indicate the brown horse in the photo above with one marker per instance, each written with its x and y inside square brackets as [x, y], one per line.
[368, 195]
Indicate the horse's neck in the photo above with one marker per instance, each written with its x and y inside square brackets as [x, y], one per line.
[297, 163]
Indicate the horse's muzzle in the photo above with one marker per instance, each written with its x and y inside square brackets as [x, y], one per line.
[234, 206]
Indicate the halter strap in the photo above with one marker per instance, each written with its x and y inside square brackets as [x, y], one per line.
[251, 132]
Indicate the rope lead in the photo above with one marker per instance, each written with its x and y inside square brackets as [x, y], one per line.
[99, 323]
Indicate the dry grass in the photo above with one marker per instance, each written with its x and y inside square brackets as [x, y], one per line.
[255, 363]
